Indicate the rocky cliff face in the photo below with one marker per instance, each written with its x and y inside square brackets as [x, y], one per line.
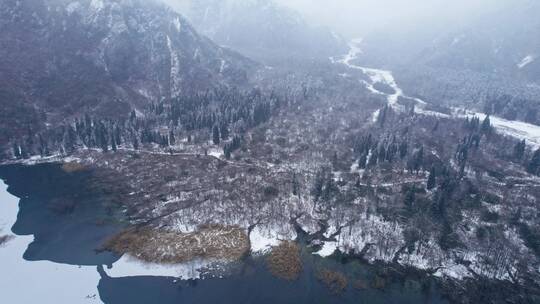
[61, 57]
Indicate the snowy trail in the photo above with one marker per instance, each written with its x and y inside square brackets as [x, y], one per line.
[516, 129]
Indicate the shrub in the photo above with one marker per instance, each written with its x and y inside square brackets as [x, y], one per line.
[284, 261]
[335, 281]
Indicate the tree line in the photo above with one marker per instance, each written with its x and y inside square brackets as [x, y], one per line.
[225, 114]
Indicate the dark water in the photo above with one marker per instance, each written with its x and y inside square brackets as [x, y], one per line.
[68, 219]
[256, 285]
[72, 214]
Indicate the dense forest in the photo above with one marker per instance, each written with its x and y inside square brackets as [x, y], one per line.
[222, 115]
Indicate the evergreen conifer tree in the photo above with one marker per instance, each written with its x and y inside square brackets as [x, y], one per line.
[534, 164]
[431, 182]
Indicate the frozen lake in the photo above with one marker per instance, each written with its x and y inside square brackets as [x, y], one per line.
[54, 224]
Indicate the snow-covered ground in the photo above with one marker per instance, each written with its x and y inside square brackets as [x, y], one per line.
[262, 240]
[518, 129]
[328, 249]
[216, 152]
[513, 128]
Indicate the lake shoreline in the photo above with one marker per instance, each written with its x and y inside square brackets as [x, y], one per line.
[379, 274]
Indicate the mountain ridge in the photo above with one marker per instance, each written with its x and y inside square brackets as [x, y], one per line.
[61, 57]
[259, 33]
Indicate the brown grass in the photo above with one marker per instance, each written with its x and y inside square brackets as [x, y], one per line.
[335, 281]
[159, 246]
[284, 261]
[72, 167]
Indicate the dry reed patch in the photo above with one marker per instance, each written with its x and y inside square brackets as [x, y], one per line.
[284, 261]
[335, 281]
[159, 246]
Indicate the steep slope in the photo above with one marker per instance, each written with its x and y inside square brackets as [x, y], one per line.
[261, 29]
[60, 58]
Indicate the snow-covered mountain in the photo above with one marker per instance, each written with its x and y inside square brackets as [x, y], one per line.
[490, 63]
[261, 29]
[64, 57]
[505, 42]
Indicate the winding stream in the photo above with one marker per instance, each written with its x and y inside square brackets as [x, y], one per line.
[516, 129]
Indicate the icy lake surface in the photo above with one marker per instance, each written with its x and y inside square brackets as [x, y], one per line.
[50, 282]
[40, 281]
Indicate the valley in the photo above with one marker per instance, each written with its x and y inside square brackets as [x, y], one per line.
[179, 169]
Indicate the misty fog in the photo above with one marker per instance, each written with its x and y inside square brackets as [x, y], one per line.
[354, 18]
[270, 151]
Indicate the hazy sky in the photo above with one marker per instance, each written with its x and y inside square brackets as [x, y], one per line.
[356, 17]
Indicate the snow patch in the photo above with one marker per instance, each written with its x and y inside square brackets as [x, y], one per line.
[175, 79]
[222, 66]
[328, 249]
[216, 152]
[177, 24]
[129, 266]
[262, 240]
[525, 61]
